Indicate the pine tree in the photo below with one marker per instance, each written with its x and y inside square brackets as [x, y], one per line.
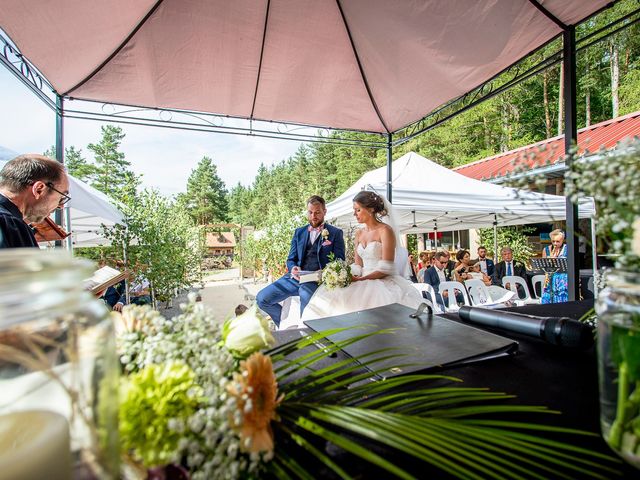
[75, 163]
[113, 175]
[206, 196]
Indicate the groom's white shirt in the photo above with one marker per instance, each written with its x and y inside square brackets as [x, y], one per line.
[313, 235]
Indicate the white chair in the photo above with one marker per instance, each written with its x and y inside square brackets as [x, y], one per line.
[451, 288]
[537, 280]
[514, 281]
[290, 317]
[478, 292]
[426, 287]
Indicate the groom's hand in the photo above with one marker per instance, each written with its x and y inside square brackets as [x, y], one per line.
[294, 272]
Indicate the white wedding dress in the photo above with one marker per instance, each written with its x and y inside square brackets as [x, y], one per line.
[363, 294]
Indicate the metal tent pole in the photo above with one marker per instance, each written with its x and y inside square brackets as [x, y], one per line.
[60, 157]
[570, 141]
[594, 257]
[389, 169]
[495, 238]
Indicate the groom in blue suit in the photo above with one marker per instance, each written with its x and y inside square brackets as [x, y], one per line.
[310, 249]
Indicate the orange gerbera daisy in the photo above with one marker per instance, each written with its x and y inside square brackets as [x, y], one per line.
[256, 392]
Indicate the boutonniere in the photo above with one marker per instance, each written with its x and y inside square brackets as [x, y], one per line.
[325, 237]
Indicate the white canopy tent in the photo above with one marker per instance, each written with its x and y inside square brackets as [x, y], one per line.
[429, 197]
[88, 210]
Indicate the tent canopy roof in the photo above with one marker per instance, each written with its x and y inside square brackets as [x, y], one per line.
[370, 65]
[446, 200]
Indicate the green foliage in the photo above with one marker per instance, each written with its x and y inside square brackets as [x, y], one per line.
[75, 163]
[112, 173]
[169, 248]
[613, 181]
[150, 400]
[514, 237]
[206, 196]
[269, 247]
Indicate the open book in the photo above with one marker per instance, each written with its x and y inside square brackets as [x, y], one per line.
[103, 278]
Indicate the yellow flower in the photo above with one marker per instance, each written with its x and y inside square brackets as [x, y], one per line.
[325, 233]
[256, 392]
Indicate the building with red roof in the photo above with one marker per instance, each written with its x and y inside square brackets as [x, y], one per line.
[547, 156]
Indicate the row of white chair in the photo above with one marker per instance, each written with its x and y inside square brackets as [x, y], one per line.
[475, 293]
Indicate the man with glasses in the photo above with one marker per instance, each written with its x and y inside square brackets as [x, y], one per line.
[31, 187]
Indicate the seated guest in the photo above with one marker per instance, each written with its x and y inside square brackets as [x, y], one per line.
[424, 260]
[486, 264]
[478, 274]
[555, 288]
[139, 294]
[434, 275]
[463, 267]
[414, 269]
[113, 294]
[449, 266]
[508, 267]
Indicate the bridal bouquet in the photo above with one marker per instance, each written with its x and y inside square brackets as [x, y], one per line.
[202, 400]
[336, 274]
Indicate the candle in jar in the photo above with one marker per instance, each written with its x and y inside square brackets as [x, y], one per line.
[34, 444]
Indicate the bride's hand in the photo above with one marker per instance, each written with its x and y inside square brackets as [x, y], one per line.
[355, 278]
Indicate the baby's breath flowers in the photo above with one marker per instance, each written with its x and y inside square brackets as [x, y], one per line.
[188, 355]
[613, 180]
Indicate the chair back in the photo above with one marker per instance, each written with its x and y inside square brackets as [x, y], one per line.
[514, 281]
[537, 280]
[478, 292]
[431, 293]
[451, 287]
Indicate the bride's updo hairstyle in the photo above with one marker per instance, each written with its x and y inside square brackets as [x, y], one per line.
[372, 200]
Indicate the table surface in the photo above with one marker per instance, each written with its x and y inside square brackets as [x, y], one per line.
[565, 380]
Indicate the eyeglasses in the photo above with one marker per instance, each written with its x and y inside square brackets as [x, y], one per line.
[64, 199]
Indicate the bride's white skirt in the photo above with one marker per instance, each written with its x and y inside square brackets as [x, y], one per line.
[361, 296]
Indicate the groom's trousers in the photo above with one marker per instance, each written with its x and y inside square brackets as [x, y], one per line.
[269, 297]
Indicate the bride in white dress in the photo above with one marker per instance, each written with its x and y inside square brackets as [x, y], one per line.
[375, 281]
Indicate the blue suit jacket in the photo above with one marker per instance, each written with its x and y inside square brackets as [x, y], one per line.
[431, 277]
[490, 266]
[335, 245]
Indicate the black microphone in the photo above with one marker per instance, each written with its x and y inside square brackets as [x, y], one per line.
[561, 331]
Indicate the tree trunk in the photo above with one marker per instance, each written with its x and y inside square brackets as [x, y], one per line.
[587, 101]
[615, 80]
[545, 96]
[487, 133]
[504, 130]
[561, 100]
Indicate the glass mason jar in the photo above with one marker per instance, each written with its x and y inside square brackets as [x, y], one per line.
[618, 309]
[58, 370]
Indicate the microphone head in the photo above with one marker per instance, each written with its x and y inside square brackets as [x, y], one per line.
[568, 333]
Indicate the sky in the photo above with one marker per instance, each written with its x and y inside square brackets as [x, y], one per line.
[164, 157]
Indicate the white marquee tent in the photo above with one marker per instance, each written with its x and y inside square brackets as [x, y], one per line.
[88, 209]
[427, 196]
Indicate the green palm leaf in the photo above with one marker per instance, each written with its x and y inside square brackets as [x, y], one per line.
[404, 415]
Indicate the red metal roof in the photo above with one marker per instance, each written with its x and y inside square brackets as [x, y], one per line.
[551, 151]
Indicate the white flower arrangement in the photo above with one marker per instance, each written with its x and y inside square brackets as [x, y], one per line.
[193, 355]
[336, 274]
[613, 180]
[199, 400]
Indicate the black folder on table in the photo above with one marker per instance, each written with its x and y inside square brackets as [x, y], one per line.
[426, 342]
